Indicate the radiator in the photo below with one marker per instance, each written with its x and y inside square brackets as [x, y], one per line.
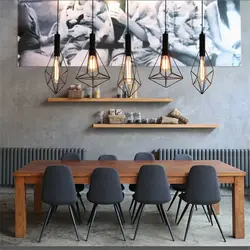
[239, 158]
[12, 159]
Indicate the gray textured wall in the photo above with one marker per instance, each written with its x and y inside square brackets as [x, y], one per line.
[27, 120]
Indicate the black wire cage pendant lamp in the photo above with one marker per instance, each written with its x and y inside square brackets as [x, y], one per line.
[129, 80]
[92, 71]
[163, 72]
[56, 72]
[202, 71]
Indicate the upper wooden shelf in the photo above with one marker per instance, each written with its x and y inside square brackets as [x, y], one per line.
[110, 99]
[163, 126]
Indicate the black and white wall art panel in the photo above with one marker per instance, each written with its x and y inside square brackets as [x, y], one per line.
[37, 24]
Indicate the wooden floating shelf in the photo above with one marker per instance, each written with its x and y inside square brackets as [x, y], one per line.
[110, 99]
[162, 126]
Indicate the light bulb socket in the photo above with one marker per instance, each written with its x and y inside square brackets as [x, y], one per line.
[57, 45]
[127, 44]
[202, 44]
[92, 44]
[165, 44]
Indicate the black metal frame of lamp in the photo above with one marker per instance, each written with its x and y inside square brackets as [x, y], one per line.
[164, 78]
[56, 87]
[135, 78]
[90, 78]
[202, 87]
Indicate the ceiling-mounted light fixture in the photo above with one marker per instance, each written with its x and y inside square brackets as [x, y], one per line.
[165, 75]
[56, 72]
[128, 81]
[95, 72]
[202, 71]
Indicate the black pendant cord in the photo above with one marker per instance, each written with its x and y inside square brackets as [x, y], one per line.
[202, 17]
[165, 34]
[57, 17]
[57, 35]
[127, 18]
[92, 16]
[92, 35]
[202, 35]
[165, 16]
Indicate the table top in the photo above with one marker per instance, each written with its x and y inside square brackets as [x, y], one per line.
[126, 168]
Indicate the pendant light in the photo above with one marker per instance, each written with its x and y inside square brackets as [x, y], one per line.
[128, 81]
[56, 72]
[202, 71]
[95, 73]
[164, 74]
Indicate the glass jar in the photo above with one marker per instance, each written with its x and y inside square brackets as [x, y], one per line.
[97, 92]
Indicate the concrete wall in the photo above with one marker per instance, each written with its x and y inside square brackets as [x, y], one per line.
[27, 120]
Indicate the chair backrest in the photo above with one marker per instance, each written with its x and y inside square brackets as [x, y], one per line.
[71, 156]
[144, 156]
[105, 186]
[58, 186]
[184, 157]
[202, 185]
[152, 185]
[107, 158]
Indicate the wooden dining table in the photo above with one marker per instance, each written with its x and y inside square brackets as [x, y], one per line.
[176, 171]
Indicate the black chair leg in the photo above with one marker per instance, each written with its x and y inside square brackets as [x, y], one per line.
[75, 214]
[136, 215]
[175, 195]
[131, 204]
[116, 207]
[189, 220]
[80, 198]
[166, 221]
[45, 222]
[78, 212]
[133, 213]
[90, 216]
[73, 221]
[92, 219]
[178, 209]
[196, 207]
[217, 221]
[210, 214]
[120, 212]
[184, 211]
[50, 216]
[160, 212]
[140, 213]
[206, 213]
[55, 208]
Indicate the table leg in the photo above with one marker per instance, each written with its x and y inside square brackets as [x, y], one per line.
[238, 208]
[20, 208]
[38, 198]
[217, 208]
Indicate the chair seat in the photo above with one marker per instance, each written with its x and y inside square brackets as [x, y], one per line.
[179, 187]
[184, 197]
[132, 187]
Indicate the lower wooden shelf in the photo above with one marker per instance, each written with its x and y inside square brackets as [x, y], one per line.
[162, 126]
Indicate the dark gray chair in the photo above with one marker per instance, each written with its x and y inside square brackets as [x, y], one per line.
[152, 188]
[105, 192]
[109, 158]
[141, 156]
[182, 187]
[202, 189]
[58, 189]
[72, 156]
